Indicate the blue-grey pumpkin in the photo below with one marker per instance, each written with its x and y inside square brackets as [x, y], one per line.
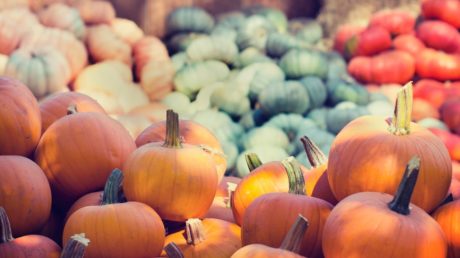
[284, 97]
[250, 56]
[275, 16]
[230, 99]
[340, 90]
[265, 135]
[259, 75]
[307, 30]
[317, 90]
[318, 115]
[342, 114]
[189, 19]
[298, 63]
[254, 33]
[181, 41]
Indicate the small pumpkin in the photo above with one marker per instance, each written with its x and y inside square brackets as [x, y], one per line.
[317, 91]
[438, 65]
[189, 19]
[59, 15]
[450, 114]
[254, 32]
[273, 15]
[250, 56]
[127, 30]
[146, 49]
[298, 63]
[96, 12]
[342, 114]
[104, 44]
[409, 43]
[212, 48]
[439, 35]
[443, 10]
[396, 22]
[284, 97]
[308, 30]
[157, 78]
[279, 44]
[368, 42]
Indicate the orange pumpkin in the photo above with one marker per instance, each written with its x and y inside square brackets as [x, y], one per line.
[364, 224]
[95, 12]
[104, 44]
[20, 122]
[146, 49]
[409, 43]
[29, 246]
[130, 229]
[98, 145]
[10, 36]
[190, 133]
[24, 193]
[61, 16]
[220, 208]
[379, 148]
[55, 106]
[447, 217]
[126, 30]
[157, 78]
[177, 179]
[423, 109]
[213, 238]
[153, 111]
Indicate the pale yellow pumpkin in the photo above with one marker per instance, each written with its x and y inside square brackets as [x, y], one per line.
[126, 30]
[104, 44]
[157, 78]
[135, 124]
[146, 49]
[59, 15]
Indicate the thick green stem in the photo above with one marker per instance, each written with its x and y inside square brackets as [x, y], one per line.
[294, 238]
[5, 227]
[76, 246]
[253, 161]
[315, 156]
[112, 188]
[172, 139]
[72, 109]
[295, 176]
[194, 231]
[400, 124]
[401, 200]
[173, 251]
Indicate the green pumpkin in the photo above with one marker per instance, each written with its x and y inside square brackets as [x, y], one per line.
[380, 108]
[307, 30]
[342, 114]
[253, 119]
[189, 19]
[279, 44]
[430, 122]
[298, 63]
[310, 129]
[250, 56]
[227, 33]
[233, 20]
[337, 66]
[177, 101]
[266, 154]
[194, 76]
[212, 48]
[340, 90]
[254, 33]
[220, 124]
[318, 115]
[258, 76]
[230, 98]
[179, 60]
[317, 90]
[275, 16]
[265, 136]
[284, 97]
[181, 41]
[289, 123]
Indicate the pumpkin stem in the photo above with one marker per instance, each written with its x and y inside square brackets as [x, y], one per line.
[6, 235]
[173, 251]
[72, 109]
[76, 246]
[400, 124]
[401, 200]
[173, 139]
[293, 239]
[112, 188]
[315, 156]
[253, 161]
[231, 187]
[295, 176]
[194, 231]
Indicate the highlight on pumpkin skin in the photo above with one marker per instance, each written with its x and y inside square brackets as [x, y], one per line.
[400, 123]
[76, 246]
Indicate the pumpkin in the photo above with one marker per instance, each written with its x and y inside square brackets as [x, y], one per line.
[231, 99]
[44, 70]
[298, 63]
[55, 106]
[102, 143]
[308, 30]
[450, 140]
[104, 44]
[273, 15]
[436, 93]
[212, 48]
[371, 41]
[388, 67]
[250, 56]
[29, 205]
[59, 15]
[179, 163]
[289, 248]
[339, 90]
[157, 78]
[318, 116]
[96, 12]
[284, 97]
[19, 119]
[439, 35]
[423, 109]
[398, 140]
[317, 91]
[33, 246]
[342, 114]
[455, 186]
[220, 124]
[396, 22]
[258, 76]
[127, 30]
[343, 33]
[445, 216]
[257, 228]
[207, 238]
[266, 135]
[279, 44]
[189, 19]
[438, 65]
[446, 11]
[409, 43]
[360, 214]
[288, 123]
[143, 222]
[76, 246]
[191, 133]
[450, 114]
[254, 32]
[10, 36]
[146, 49]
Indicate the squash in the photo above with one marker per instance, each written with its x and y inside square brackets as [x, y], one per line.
[439, 35]
[438, 65]
[95, 11]
[212, 48]
[279, 44]
[127, 30]
[359, 214]
[254, 32]
[298, 63]
[398, 140]
[61, 16]
[284, 97]
[189, 19]
[396, 22]
[20, 121]
[104, 44]
[443, 10]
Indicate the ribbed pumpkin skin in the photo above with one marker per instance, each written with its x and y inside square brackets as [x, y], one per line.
[30, 246]
[78, 152]
[118, 230]
[447, 217]
[24, 193]
[298, 63]
[263, 251]
[287, 97]
[20, 121]
[189, 19]
[91, 199]
[179, 183]
[55, 106]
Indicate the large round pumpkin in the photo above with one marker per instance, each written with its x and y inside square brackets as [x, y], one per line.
[380, 149]
[20, 121]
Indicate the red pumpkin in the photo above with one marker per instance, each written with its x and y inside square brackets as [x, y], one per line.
[444, 10]
[423, 109]
[409, 43]
[56, 106]
[392, 66]
[394, 21]
[29, 246]
[451, 141]
[450, 114]
[439, 35]
[20, 122]
[371, 41]
[447, 217]
[343, 34]
[436, 93]
[438, 65]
